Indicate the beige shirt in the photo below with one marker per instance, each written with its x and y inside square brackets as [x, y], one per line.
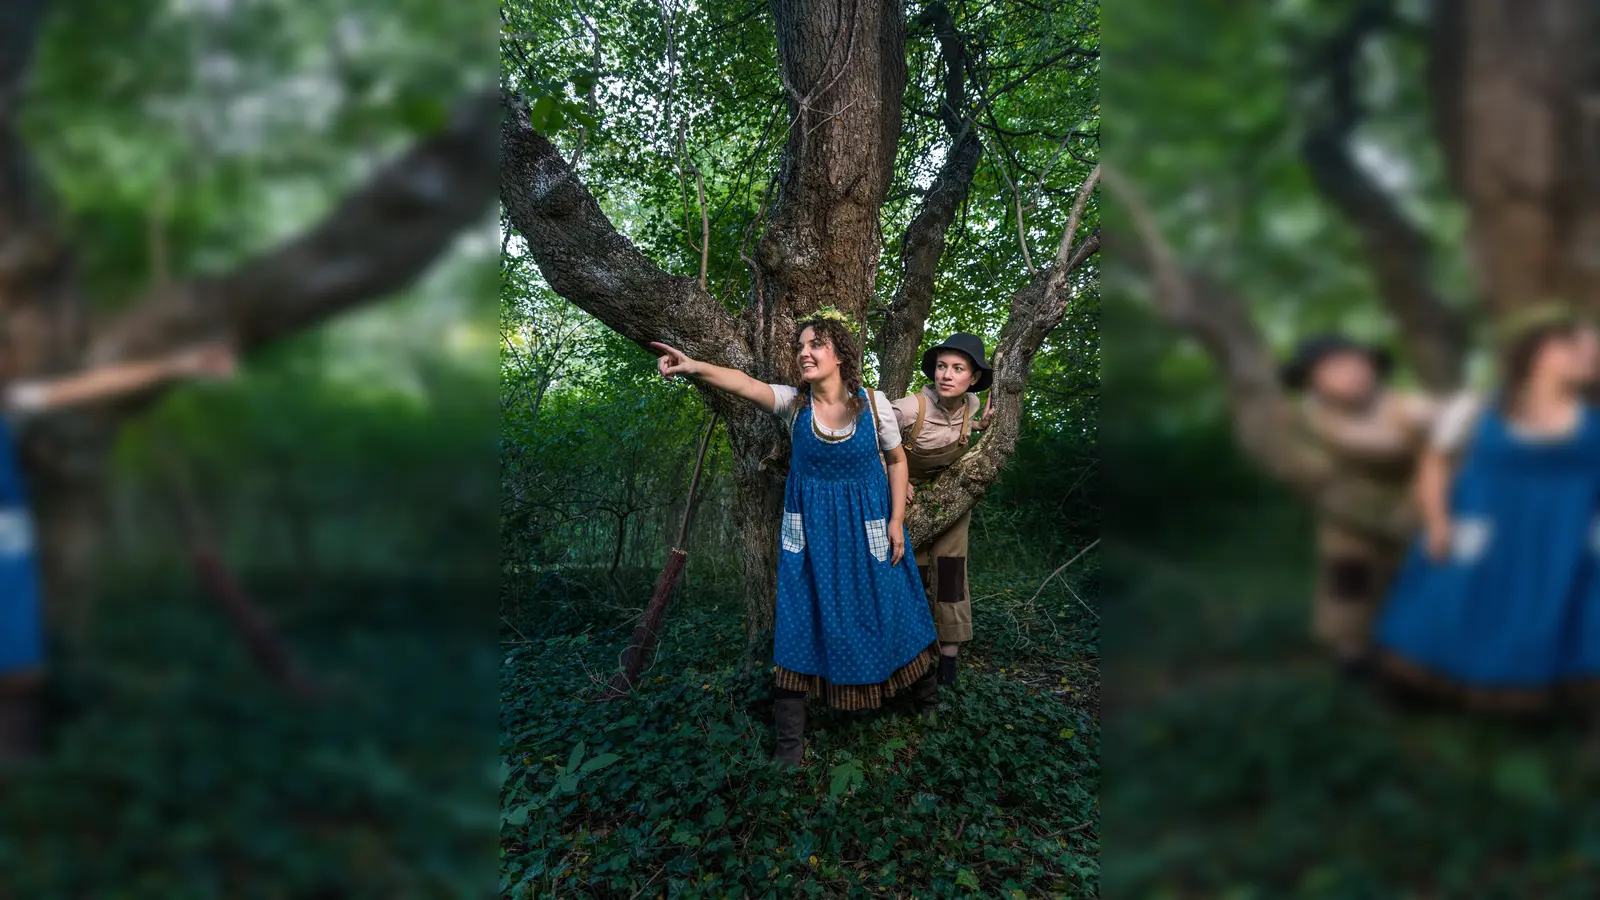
[940, 427]
[1393, 428]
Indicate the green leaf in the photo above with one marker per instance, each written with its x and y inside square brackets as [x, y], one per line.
[599, 762]
[574, 759]
[967, 879]
[845, 776]
[539, 116]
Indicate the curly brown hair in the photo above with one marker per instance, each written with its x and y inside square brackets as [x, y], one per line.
[1518, 358]
[838, 336]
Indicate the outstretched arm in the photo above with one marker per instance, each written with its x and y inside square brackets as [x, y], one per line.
[126, 378]
[673, 362]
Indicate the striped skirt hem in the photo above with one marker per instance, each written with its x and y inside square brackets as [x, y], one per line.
[1509, 701]
[860, 696]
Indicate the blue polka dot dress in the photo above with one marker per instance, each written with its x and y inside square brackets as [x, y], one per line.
[1512, 616]
[849, 625]
[21, 639]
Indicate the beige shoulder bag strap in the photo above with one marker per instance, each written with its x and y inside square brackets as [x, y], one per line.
[966, 421]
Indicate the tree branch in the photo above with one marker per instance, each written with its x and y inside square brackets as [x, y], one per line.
[1263, 420]
[586, 261]
[923, 244]
[1395, 248]
[1035, 312]
[375, 242]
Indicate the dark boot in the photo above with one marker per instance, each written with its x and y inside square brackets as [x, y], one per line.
[947, 670]
[925, 694]
[21, 727]
[789, 717]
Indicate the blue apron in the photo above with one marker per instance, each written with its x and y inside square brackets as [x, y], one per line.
[21, 637]
[843, 612]
[1516, 606]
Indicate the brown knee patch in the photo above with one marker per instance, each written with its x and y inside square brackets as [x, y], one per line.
[952, 579]
[1350, 580]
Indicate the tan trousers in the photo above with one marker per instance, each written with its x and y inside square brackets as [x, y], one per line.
[944, 576]
[1353, 578]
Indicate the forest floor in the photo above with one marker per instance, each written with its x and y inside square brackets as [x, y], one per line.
[183, 774]
[670, 793]
[1238, 765]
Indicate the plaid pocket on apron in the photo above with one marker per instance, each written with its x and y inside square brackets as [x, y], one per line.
[878, 538]
[794, 532]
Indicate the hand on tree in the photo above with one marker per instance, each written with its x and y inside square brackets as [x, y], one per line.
[988, 412]
[672, 362]
[897, 542]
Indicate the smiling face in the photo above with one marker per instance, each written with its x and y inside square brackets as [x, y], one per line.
[816, 356]
[1584, 357]
[953, 374]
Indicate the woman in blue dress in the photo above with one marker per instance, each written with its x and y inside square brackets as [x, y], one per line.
[22, 652]
[1498, 605]
[853, 624]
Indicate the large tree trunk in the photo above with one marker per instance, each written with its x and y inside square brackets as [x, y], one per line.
[1516, 89]
[375, 242]
[844, 71]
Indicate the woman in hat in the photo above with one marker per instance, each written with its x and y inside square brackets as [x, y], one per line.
[1499, 603]
[937, 423]
[1371, 437]
[22, 655]
[852, 621]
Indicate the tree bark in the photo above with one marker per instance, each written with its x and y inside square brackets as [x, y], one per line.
[923, 243]
[843, 68]
[1515, 90]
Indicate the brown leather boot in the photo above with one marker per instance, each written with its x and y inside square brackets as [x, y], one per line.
[925, 693]
[789, 717]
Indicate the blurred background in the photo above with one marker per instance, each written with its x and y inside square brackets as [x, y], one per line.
[1392, 170]
[344, 480]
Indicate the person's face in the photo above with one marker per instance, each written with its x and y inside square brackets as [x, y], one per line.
[953, 374]
[1557, 361]
[815, 356]
[1584, 355]
[1344, 377]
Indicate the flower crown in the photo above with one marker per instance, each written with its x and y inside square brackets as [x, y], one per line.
[826, 313]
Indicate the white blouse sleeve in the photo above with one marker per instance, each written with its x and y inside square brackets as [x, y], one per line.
[1453, 428]
[23, 397]
[888, 425]
[784, 401]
